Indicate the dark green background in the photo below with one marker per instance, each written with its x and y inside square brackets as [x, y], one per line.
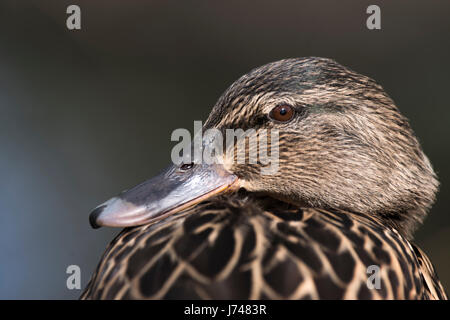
[86, 114]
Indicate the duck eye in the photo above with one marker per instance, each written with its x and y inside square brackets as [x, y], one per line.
[186, 166]
[282, 113]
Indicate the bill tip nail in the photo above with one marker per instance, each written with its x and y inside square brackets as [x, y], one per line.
[94, 215]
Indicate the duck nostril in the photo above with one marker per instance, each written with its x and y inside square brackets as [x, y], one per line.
[187, 166]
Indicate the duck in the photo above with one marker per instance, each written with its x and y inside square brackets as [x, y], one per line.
[334, 221]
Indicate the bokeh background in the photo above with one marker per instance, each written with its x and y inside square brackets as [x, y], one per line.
[85, 114]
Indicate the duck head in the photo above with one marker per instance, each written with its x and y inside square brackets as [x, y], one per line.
[341, 143]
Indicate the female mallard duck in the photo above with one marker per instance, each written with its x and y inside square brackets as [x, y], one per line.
[352, 185]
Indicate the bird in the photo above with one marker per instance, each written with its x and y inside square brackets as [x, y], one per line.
[335, 220]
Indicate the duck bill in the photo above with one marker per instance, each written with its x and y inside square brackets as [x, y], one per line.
[170, 192]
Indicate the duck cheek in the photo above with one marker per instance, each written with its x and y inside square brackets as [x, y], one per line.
[169, 192]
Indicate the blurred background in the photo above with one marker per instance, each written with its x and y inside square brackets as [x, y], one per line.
[85, 114]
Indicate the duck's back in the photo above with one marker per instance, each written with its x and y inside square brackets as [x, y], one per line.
[235, 248]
